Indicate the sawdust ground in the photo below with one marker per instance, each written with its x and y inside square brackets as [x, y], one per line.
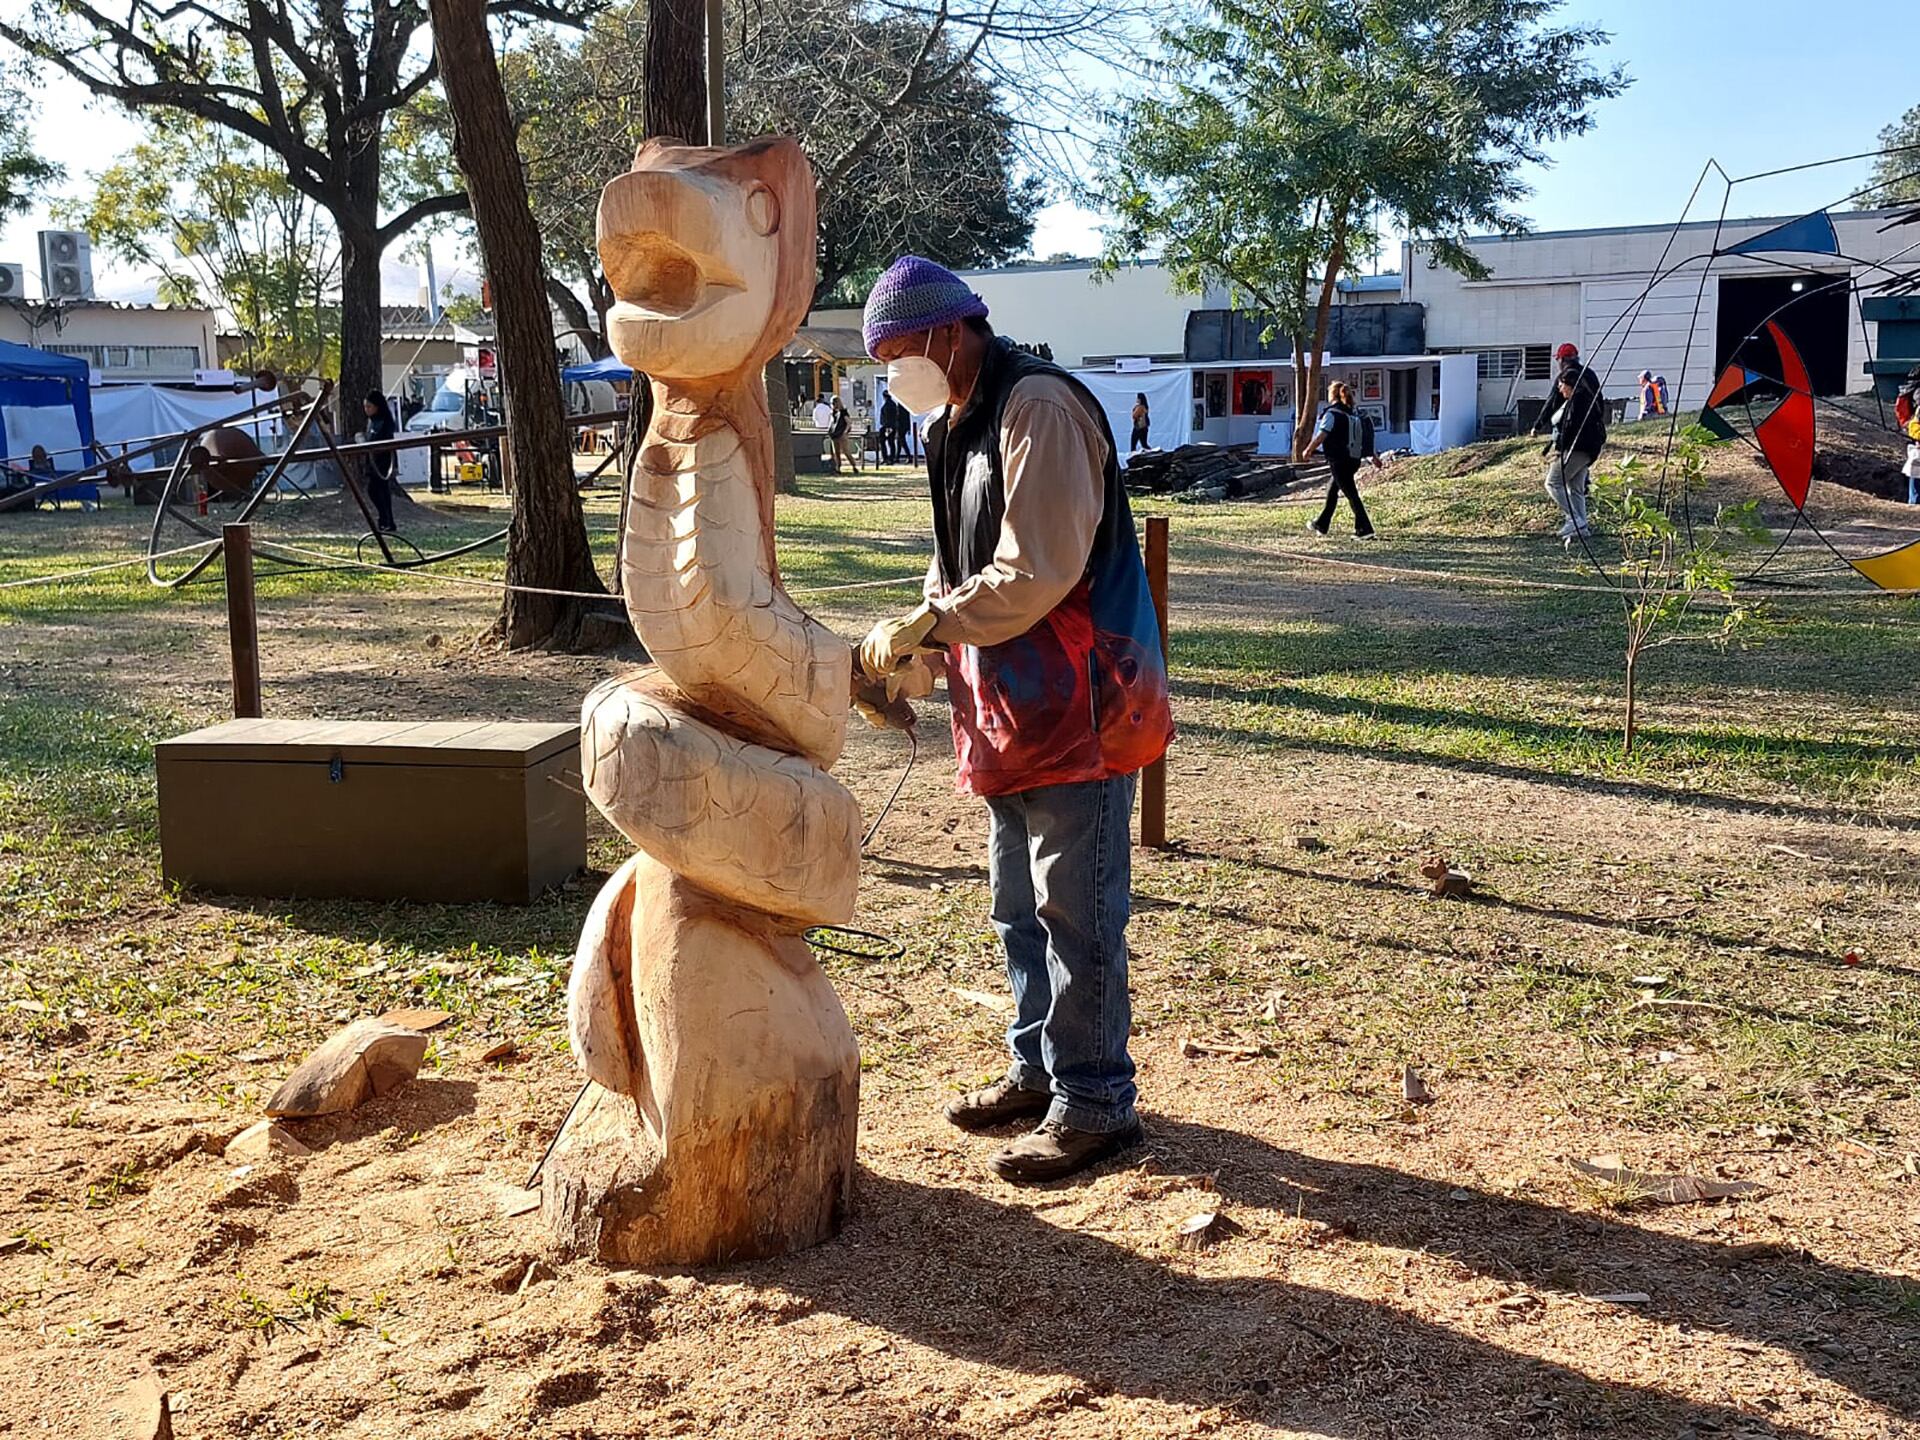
[1431, 1276]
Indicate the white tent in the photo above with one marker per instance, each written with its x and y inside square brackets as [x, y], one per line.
[127, 414]
[1169, 393]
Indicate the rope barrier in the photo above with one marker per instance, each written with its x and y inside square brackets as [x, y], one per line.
[66, 575]
[337, 563]
[1511, 583]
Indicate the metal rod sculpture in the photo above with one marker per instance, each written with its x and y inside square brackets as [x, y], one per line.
[720, 1120]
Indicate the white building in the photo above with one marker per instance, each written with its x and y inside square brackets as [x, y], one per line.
[1652, 297]
[124, 344]
[1083, 316]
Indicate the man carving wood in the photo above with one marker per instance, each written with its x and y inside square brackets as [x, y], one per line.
[1038, 602]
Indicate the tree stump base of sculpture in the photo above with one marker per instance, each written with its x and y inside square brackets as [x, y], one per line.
[742, 1145]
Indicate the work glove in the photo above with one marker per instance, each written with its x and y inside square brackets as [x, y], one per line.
[883, 703]
[889, 644]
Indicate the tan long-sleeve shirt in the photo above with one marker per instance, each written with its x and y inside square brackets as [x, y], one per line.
[1053, 455]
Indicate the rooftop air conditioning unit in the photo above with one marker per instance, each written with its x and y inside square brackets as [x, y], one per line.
[13, 282]
[66, 265]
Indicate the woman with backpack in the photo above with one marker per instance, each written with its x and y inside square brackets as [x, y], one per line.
[1141, 422]
[1347, 439]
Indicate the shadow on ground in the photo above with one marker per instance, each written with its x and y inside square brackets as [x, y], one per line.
[983, 1281]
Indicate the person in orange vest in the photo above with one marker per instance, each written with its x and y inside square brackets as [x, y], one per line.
[1653, 400]
[1906, 411]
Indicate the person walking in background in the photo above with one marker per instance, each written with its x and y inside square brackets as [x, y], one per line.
[1578, 416]
[1347, 439]
[380, 467]
[903, 431]
[1141, 420]
[1653, 396]
[840, 431]
[893, 430]
[822, 414]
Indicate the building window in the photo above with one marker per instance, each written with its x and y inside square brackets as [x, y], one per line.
[1539, 362]
[169, 359]
[1499, 364]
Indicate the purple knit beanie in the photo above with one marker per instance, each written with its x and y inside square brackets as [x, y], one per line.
[916, 295]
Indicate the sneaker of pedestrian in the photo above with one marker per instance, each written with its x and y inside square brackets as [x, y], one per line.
[1366, 534]
[1056, 1150]
[1316, 527]
[996, 1105]
[1567, 527]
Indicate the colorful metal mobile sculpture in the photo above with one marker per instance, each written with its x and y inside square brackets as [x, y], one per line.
[1766, 369]
[1784, 439]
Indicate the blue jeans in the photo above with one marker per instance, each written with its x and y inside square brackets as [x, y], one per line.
[1061, 865]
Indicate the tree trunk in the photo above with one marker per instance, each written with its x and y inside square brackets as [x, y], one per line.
[1322, 317]
[577, 316]
[676, 74]
[1633, 666]
[1303, 410]
[780, 409]
[360, 371]
[547, 546]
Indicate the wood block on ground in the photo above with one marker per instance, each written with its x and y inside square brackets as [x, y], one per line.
[368, 1058]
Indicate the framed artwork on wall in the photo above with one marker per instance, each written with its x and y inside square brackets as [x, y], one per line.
[1253, 392]
[1199, 386]
[1216, 396]
[1371, 385]
[1199, 415]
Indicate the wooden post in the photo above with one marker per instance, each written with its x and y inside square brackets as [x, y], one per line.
[243, 630]
[1153, 780]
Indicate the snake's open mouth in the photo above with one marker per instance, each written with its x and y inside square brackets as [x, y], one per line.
[656, 279]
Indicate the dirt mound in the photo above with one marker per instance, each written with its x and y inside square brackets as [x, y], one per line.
[1856, 444]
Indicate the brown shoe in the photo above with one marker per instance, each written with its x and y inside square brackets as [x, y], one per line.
[1055, 1151]
[996, 1105]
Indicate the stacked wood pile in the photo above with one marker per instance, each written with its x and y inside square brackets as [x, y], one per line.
[1213, 472]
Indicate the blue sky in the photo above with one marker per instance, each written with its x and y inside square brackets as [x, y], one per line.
[1758, 84]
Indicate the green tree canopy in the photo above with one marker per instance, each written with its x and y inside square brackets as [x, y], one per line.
[24, 173]
[911, 144]
[219, 223]
[1288, 131]
[317, 86]
[1896, 172]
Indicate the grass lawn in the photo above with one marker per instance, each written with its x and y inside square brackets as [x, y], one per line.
[1701, 958]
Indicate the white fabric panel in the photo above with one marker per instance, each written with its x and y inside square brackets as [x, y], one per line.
[1424, 437]
[127, 413]
[1459, 400]
[1169, 404]
[25, 426]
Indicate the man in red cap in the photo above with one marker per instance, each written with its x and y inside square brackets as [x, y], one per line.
[1575, 415]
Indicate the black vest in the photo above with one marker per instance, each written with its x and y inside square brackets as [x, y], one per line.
[969, 485]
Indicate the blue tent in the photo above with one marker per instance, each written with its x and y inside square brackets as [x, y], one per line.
[610, 368]
[44, 400]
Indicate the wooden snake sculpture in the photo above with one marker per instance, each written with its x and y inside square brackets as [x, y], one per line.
[693, 994]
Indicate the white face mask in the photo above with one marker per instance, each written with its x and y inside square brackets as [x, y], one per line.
[918, 382]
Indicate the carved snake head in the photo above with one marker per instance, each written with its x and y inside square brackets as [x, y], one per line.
[710, 255]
